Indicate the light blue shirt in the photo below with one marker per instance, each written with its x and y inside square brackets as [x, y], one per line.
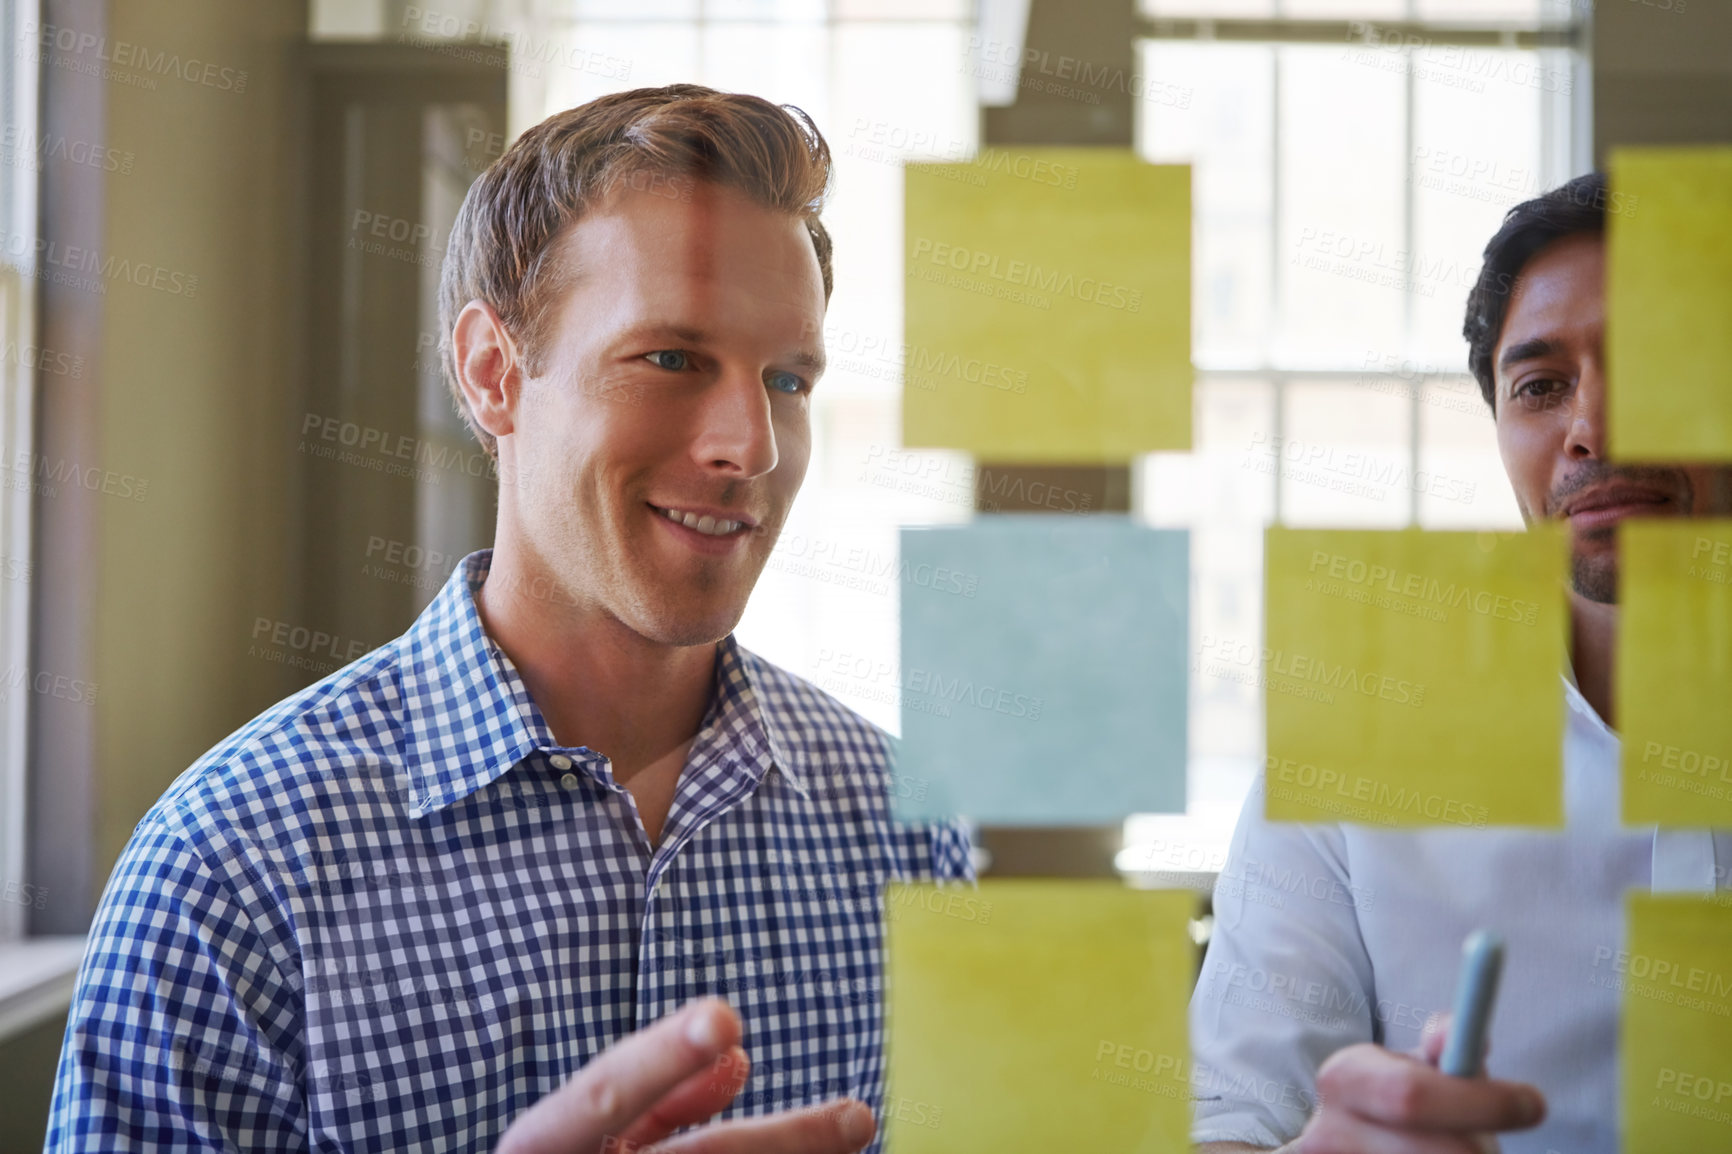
[1328, 935]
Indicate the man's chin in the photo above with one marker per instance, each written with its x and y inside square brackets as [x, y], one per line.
[683, 626]
[1595, 578]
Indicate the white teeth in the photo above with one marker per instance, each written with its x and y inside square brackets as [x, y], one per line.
[707, 525]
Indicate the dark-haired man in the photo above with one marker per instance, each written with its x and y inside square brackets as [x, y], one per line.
[492, 873]
[1310, 1020]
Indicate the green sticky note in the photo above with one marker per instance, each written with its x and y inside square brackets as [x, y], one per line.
[1031, 641]
[1674, 671]
[1038, 1015]
[1414, 678]
[1047, 309]
[1668, 297]
[1676, 973]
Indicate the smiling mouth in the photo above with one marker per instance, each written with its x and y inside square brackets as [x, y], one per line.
[1601, 511]
[705, 523]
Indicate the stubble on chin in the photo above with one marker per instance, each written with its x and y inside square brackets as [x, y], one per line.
[1595, 578]
[700, 606]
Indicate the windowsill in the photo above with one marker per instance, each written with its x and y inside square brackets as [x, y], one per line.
[36, 980]
[1198, 881]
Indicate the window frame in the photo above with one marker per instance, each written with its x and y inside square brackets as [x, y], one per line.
[18, 383]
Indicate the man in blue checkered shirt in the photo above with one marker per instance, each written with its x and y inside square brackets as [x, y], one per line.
[560, 857]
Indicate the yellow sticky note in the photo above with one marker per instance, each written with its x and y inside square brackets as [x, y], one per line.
[1048, 306]
[1674, 671]
[1414, 678]
[1038, 1015]
[1668, 294]
[1676, 974]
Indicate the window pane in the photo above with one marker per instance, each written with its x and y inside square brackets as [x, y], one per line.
[1344, 9]
[632, 9]
[955, 11]
[1463, 482]
[786, 63]
[1341, 253]
[898, 92]
[1495, 11]
[1226, 644]
[1476, 152]
[1219, 482]
[779, 11]
[612, 57]
[1215, 8]
[1230, 501]
[1344, 457]
[882, 93]
[1211, 106]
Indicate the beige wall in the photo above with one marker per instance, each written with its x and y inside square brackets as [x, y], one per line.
[200, 396]
[153, 600]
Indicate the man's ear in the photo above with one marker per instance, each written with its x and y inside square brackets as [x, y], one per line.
[488, 369]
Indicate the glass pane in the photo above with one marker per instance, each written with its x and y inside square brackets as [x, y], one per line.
[898, 91]
[778, 11]
[785, 63]
[1463, 483]
[1232, 500]
[1495, 11]
[955, 11]
[1475, 153]
[599, 57]
[1210, 105]
[1212, 485]
[629, 10]
[826, 608]
[1208, 8]
[1344, 456]
[1341, 254]
[1344, 9]
[1226, 640]
[1226, 504]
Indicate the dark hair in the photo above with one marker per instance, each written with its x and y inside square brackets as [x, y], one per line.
[502, 246]
[1576, 207]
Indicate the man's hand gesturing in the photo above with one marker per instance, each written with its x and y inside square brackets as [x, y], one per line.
[678, 1072]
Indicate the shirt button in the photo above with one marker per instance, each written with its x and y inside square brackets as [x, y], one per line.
[569, 781]
[560, 761]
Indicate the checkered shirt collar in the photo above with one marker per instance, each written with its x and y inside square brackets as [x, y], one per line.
[469, 717]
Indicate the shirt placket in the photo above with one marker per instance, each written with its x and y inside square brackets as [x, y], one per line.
[573, 765]
[708, 790]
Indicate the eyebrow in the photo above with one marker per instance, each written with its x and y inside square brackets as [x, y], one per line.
[682, 333]
[1526, 351]
[685, 334]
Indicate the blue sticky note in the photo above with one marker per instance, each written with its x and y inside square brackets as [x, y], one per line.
[1043, 671]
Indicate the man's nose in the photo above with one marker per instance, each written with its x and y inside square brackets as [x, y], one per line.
[1587, 432]
[736, 435]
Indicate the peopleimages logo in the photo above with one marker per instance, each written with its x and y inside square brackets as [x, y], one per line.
[1021, 273]
[70, 42]
[1418, 586]
[1300, 667]
[952, 902]
[1338, 792]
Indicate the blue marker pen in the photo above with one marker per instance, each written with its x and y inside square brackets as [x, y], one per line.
[1475, 991]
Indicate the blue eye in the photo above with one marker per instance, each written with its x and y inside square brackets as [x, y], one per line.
[785, 382]
[671, 359]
